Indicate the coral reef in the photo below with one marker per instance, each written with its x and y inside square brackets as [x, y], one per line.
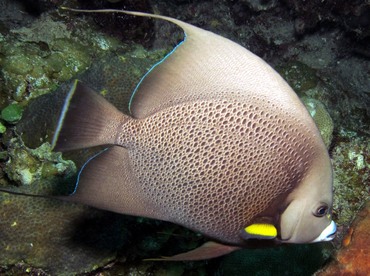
[26, 166]
[351, 163]
[46, 233]
[133, 29]
[321, 117]
[353, 16]
[300, 76]
[258, 5]
[37, 58]
[309, 87]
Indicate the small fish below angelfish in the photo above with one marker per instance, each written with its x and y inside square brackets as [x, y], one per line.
[216, 141]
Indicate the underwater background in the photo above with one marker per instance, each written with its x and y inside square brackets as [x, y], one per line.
[320, 47]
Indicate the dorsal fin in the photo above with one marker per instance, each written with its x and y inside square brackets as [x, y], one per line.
[203, 66]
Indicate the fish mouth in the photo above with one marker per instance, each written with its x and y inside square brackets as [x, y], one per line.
[331, 237]
[328, 234]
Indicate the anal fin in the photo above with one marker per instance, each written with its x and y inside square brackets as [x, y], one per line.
[108, 182]
[208, 250]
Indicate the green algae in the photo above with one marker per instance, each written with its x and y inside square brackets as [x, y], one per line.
[75, 59]
[12, 113]
[2, 128]
[36, 59]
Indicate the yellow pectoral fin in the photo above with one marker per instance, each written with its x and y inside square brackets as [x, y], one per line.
[260, 231]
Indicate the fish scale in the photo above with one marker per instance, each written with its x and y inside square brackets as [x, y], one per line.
[212, 156]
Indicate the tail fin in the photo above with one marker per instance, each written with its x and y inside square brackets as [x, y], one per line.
[87, 120]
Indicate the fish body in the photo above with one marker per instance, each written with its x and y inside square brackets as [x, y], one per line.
[216, 141]
[199, 169]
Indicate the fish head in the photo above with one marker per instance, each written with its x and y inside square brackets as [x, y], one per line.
[307, 217]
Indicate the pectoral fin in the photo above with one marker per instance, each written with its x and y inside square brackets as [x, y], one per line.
[208, 250]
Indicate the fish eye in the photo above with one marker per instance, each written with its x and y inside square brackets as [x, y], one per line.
[321, 211]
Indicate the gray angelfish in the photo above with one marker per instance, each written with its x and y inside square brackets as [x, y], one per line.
[216, 141]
